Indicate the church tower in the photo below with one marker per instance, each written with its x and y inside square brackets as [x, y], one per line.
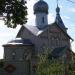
[41, 12]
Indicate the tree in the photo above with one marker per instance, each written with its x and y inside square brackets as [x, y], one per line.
[49, 67]
[14, 12]
[71, 66]
[53, 66]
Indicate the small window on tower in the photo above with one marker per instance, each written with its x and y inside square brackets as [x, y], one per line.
[43, 19]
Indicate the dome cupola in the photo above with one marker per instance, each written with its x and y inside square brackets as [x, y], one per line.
[41, 13]
[41, 6]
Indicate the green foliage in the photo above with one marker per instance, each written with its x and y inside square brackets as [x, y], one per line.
[14, 12]
[71, 67]
[49, 67]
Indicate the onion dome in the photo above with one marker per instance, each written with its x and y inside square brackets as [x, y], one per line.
[41, 6]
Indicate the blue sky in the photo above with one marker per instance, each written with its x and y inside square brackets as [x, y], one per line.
[67, 12]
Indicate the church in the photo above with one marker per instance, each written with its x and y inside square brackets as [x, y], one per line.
[20, 55]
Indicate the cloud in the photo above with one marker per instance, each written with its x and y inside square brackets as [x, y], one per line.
[31, 16]
[65, 17]
[6, 34]
[31, 19]
[50, 18]
[72, 9]
[30, 5]
[61, 6]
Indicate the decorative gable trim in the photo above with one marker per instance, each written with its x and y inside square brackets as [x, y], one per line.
[55, 23]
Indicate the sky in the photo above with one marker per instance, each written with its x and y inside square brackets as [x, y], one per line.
[67, 12]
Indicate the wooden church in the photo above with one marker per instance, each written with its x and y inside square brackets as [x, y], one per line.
[20, 55]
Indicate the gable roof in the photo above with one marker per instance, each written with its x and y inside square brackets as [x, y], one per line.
[37, 32]
[33, 29]
[55, 23]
